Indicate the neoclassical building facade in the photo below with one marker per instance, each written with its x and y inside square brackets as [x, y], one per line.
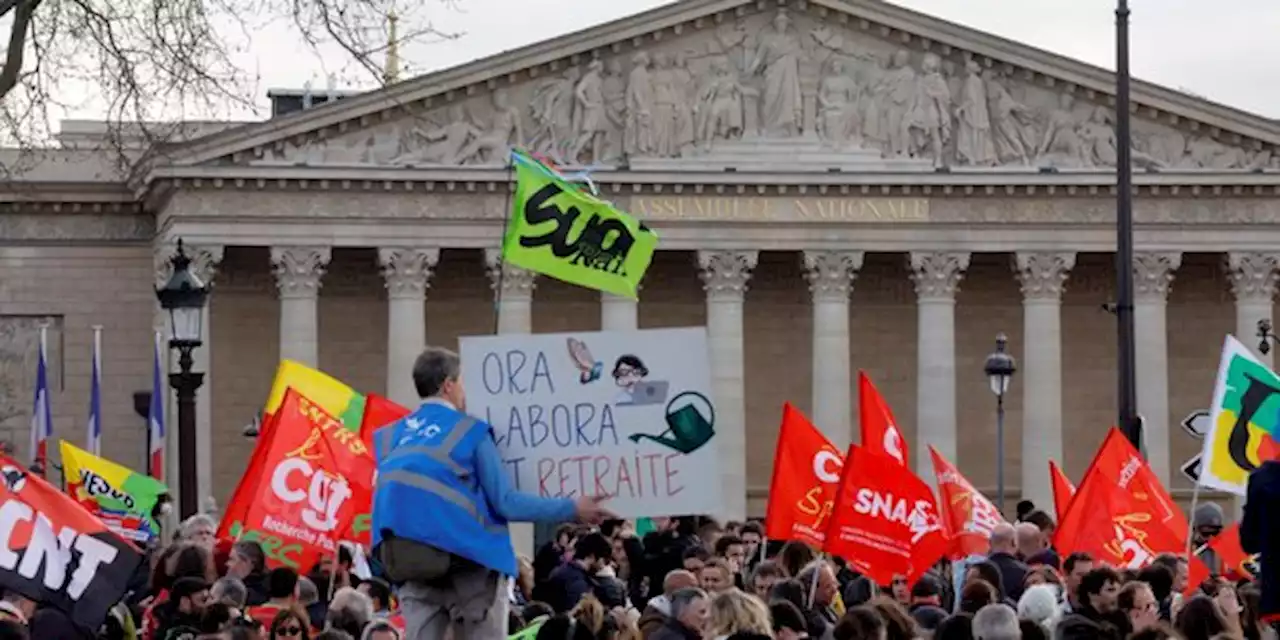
[838, 185]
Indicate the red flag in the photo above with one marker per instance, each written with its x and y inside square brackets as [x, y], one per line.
[1121, 513]
[880, 432]
[378, 412]
[806, 474]
[886, 520]
[312, 477]
[1236, 563]
[1063, 490]
[968, 515]
[1197, 573]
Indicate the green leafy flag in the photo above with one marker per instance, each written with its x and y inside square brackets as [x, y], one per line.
[558, 230]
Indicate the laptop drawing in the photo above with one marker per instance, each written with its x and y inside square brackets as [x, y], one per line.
[649, 393]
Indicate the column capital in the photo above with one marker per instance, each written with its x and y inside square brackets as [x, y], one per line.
[937, 274]
[831, 273]
[725, 273]
[407, 270]
[1253, 275]
[508, 280]
[298, 269]
[1153, 274]
[1043, 274]
[205, 260]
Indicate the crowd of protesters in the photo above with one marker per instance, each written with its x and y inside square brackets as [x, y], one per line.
[692, 578]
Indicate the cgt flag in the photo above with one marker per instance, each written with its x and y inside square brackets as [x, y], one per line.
[969, 516]
[806, 474]
[880, 432]
[56, 553]
[558, 230]
[1063, 490]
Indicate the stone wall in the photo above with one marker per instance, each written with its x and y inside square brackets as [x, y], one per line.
[74, 287]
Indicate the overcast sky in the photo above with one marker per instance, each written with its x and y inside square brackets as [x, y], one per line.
[1227, 51]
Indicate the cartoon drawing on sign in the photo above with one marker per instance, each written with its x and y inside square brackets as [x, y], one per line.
[688, 427]
[631, 375]
[589, 367]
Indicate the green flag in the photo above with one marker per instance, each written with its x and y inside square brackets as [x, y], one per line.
[560, 231]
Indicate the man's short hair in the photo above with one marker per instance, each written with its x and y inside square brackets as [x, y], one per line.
[434, 366]
[769, 569]
[1040, 519]
[726, 541]
[717, 563]
[1072, 560]
[593, 545]
[1093, 582]
[996, 622]
[926, 587]
[231, 591]
[282, 582]
[697, 553]
[751, 526]
[680, 600]
[197, 521]
[787, 616]
[379, 592]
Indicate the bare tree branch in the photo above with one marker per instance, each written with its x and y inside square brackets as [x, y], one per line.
[148, 65]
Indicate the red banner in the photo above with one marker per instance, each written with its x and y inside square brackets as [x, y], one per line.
[968, 515]
[310, 478]
[806, 473]
[1236, 564]
[880, 432]
[1121, 513]
[886, 521]
[1063, 490]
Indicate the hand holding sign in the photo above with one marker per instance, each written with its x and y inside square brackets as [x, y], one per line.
[590, 511]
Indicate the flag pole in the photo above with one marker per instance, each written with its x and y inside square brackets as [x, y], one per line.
[1191, 522]
[95, 399]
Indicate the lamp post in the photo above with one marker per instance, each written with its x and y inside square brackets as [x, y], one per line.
[1000, 367]
[184, 297]
[1127, 394]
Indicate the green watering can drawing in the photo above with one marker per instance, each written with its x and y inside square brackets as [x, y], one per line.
[687, 429]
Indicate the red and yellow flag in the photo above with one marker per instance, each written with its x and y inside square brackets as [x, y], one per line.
[806, 473]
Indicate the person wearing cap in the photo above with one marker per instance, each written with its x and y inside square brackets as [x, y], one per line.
[926, 603]
[1206, 524]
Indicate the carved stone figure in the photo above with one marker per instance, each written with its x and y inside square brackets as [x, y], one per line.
[932, 116]
[614, 88]
[664, 106]
[837, 106]
[686, 90]
[441, 145]
[638, 139]
[552, 109]
[1204, 152]
[1009, 129]
[589, 117]
[1098, 136]
[872, 125]
[974, 144]
[720, 105]
[494, 145]
[778, 59]
[898, 92]
[1062, 146]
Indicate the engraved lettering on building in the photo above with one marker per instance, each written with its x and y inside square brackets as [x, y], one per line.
[747, 208]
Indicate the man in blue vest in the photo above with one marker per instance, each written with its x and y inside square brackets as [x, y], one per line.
[441, 507]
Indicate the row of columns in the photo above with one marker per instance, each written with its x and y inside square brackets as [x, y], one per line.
[831, 275]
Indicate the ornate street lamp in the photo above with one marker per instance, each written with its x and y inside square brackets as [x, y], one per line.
[1000, 367]
[1265, 337]
[184, 297]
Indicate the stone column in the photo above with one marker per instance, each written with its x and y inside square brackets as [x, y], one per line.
[204, 265]
[937, 277]
[408, 274]
[1152, 277]
[618, 313]
[1253, 281]
[298, 272]
[513, 288]
[1043, 276]
[724, 277]
[831, 275]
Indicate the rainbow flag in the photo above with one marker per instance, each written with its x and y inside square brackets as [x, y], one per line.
[119, 496]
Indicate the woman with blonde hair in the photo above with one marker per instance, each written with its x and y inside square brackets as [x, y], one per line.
[735, 611]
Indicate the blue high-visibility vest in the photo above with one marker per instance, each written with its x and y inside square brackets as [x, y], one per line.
[427, 489]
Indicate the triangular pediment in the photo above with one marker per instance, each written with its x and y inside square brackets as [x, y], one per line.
[715, 84]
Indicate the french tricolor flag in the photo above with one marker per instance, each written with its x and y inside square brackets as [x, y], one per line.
[155, 421]
[94, 441]
[41, 415]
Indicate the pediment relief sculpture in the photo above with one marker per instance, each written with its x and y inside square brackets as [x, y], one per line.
[785, 82]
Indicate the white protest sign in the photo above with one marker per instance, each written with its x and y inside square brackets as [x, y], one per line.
[627, 414]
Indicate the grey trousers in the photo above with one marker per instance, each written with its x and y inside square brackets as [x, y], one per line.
[473, 603]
